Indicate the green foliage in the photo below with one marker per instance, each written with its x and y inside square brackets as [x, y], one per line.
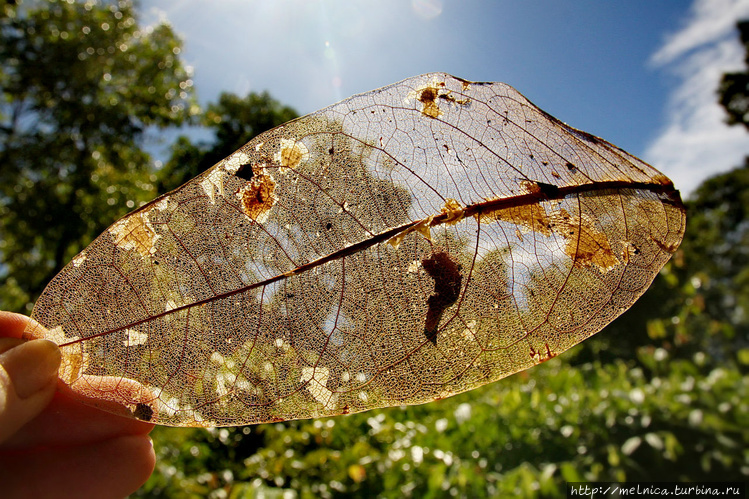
[734, 88]
[525, 436]
[81, 83]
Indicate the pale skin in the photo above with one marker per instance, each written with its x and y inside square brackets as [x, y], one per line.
[52, 445]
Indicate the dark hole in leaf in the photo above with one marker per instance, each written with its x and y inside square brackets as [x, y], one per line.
[245, 172]
[548, 190]
[447, 283]
[144, 412]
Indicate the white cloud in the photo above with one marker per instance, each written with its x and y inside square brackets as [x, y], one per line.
[309, 54]
[695, 142]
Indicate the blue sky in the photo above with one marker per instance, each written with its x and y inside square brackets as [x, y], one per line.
[641, 74]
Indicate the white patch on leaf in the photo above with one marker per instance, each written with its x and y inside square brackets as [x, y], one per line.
[74, 358]
[233, 162]
[469, 332]
[246, 386]
[413, 267]
[168, 405]
[135, 232]
[213, 183]
[217, 359]
[221, 381]
[79, 259]
[317, 381]
[163, 204]
[134, 338]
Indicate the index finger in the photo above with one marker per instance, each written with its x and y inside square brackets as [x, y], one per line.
[79, 421]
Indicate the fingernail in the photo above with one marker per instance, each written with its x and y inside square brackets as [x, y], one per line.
[31, 366]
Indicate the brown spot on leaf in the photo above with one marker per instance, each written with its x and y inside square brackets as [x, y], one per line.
[449, 98]
[541, 358]
[663, 180]
[453, 212]
[258, 197]
[423, 227]
[428, 97]
[530, 217]
[549, 191]
[447, 283]
[668, 248]
[465, 84]
[546, 190]
[628, 250]
[586, 245]
[291, 153]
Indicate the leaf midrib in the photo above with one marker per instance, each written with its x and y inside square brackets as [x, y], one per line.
[546, 192]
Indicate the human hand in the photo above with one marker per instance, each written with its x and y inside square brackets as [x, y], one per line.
[52, 445]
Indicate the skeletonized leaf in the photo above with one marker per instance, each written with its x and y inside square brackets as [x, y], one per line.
[400, 246]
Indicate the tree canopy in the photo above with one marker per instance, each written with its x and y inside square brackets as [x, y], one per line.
[734, 88]
[82, 84]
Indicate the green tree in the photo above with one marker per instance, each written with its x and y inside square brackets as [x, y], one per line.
[234, 121]
[82, 83]
[734, 88]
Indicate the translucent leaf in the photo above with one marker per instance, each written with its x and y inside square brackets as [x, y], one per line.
[399, 247]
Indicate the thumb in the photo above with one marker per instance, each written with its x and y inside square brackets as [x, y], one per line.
[28, 377]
